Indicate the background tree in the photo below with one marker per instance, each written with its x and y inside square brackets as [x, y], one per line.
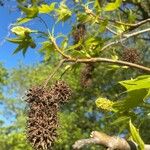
[107, 36]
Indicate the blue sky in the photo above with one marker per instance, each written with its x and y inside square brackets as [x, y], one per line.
[6, 49]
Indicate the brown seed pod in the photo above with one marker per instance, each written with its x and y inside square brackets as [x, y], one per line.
[43, 105]
[61, 92]
[86, 75]
[131, 55]
[79, 34]
[42, 118]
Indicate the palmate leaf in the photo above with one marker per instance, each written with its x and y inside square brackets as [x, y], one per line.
[45, 8]
[22, 21]
[133, 99]
[24, 42]
[138, 90]
[46, 49]
[63, 12]
[121, 120]
[15, 40]
[85, 18]
[30, 12]
[113, 6]
[21, 31]
[21, 47]
[136, 136]
[141, 82]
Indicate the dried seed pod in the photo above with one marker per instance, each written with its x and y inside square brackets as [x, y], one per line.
[61, 92]
[43, 105]
[42, 126]
[79, 34]
[131, 55]
[86, 75]
[42, 119]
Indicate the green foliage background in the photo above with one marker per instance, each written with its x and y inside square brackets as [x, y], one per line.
[81, 115]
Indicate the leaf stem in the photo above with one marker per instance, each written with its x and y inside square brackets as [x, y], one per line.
[53, 73]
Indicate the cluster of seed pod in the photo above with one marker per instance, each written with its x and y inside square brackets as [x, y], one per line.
[79, 34]
[43, 105]
[131, 55]
[86, 75]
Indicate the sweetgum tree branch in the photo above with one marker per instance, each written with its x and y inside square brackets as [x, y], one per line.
[53, 73]
[106, 60]
[58, 49]
[127, 36]
[68, 58]
[111, 142]
[90, 12]
[94, 60]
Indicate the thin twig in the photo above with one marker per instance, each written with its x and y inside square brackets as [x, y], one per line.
[123, 39]
[90, 12]
[138, 32]
[94, 60]
[118, 62]
[57, 48]
[66, 69]
[112, 31]
[53, 73]
[42, 20]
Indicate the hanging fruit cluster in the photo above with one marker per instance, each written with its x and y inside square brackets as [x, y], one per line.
[79, 35]
[43, 105]
[86, 75]
[131, 55]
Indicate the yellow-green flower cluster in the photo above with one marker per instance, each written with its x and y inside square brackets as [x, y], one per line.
[104, 104]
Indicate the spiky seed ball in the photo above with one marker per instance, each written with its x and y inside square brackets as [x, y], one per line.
[42, 126]
[79, 34]
[61, 92]
[131, 55]
[42, 119]
[86, 75]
